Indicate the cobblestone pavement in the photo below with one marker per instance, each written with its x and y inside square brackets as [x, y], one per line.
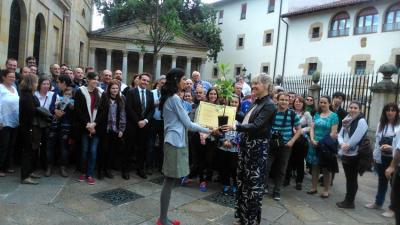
[116, 201]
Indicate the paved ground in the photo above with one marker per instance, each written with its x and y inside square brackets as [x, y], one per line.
[58, 200]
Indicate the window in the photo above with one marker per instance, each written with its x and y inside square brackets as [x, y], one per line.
[240, 41]
[238, 70]
[392, 20]
[244, 10]
[315, 32]
[83, 13]
[398, 61]
[340, 25]
[81, 49]
[360, 67]
[221, 17]
[215, 72]
[312, 67]
[271, 6]
[265, 69]
[268, 38]
[367, 21]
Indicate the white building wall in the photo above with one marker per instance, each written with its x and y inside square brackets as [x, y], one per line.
[257, 21]
[335, 53]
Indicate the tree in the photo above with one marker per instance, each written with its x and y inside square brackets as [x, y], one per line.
[167, 19]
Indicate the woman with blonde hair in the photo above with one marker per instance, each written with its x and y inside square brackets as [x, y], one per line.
[254, 131]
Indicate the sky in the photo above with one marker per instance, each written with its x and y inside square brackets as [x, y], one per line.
[97, 21]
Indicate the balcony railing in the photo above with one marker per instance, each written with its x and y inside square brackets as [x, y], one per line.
[366, 29]
[339, 33]
[391, 26]
[271, 8]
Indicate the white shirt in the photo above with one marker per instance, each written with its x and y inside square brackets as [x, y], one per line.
[387, 131]
[354, 140]
[45, 101]
[144, 95]
[9, 107]
[246, 89]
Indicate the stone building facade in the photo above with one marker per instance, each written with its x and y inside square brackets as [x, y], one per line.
[127, 47]
[54, 31]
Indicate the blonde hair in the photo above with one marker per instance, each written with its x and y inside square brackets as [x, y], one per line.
[29, 83]
[264, 80]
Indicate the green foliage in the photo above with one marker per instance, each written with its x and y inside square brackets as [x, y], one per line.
[225, 86]
[169, 18]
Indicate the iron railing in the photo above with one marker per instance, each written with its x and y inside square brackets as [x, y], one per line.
[355, 87]
[366, 29]
[339, 33]
[391, 26]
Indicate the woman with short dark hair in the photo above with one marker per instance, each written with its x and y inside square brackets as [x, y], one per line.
[176, 124]
[9, 113]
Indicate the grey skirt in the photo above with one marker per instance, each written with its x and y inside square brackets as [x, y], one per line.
[176, 161]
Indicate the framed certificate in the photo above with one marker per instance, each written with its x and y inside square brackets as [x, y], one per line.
[207, 114]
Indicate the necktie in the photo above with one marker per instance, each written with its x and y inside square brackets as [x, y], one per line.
[143, 102]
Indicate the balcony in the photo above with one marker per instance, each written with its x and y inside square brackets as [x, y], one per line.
[366, 29]
[339, 33]
[391, 26]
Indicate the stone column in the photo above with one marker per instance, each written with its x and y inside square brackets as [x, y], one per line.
[108, 64]
[92, 58]
[188, 66]
[173, 61]
[202, 68]
[140, 67]
[125, 66]
[158, 66]
[383, 93]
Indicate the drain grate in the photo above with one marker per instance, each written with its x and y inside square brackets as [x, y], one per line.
[117, 196]
[221, 199]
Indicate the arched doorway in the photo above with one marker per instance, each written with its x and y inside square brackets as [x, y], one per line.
[39, 40]
[14, 30]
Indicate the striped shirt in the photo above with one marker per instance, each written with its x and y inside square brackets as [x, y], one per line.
[285, 129]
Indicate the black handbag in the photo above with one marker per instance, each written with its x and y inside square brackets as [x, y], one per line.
[43, 117]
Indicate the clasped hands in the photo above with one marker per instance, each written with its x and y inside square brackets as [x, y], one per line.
[91, 128]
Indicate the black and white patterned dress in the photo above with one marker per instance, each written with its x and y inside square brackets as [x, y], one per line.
[251, 173]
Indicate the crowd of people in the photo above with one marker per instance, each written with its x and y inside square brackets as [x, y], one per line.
[77, 118]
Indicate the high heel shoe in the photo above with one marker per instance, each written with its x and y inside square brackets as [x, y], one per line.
[174, 222]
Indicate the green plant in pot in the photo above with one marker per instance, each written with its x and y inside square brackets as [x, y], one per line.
[225, 89]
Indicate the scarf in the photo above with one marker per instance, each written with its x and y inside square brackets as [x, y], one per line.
[346, 122]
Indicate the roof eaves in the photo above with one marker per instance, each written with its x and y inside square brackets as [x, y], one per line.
[333, 5]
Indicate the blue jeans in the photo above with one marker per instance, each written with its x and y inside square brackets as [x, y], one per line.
[89, 147]
[60, 136]
[383, 181]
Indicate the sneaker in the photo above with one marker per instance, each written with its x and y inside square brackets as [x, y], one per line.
[388, 214]
[225, 191]
[234, 189]
[185, 180]
[81, 178]
[276, 196]
[91, 180]
[203, 186]
[372, 206]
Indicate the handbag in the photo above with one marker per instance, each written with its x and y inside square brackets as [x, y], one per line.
[43, 117]
[276, 141]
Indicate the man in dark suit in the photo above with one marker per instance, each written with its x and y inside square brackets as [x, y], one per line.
[139, 111]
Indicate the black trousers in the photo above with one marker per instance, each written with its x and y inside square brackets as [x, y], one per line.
[110, 147]
[229, 167]
[27, 153]
[396, 194]
[350, 167]
[142, 146]
[155, 153]
[8, 138]
[205, 156]
[296, 161]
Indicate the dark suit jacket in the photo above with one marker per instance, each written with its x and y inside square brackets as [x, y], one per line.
[134, 109]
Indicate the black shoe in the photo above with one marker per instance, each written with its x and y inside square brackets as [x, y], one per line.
[141, 174]
[299, 186]
[345, 205]
[125, 175]
[108, 174]
[100, 175]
